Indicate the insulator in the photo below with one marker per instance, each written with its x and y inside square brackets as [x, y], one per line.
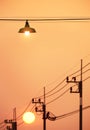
[67, 78]
[39, 100]
[5, 121]
[36, 109]
[74, 78]
[10, 121]
[33, 100]
[70, 89]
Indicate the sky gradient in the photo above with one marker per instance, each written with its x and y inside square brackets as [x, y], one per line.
[28, 64]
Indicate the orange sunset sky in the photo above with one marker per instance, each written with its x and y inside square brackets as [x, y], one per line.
[44, 59]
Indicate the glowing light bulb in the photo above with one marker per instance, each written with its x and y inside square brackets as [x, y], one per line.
[27, 33]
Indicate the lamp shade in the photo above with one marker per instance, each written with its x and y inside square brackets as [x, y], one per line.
[27, 28]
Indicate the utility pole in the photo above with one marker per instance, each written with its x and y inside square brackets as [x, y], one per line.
[38, 101]
[80, 94]
[12, 121]
[44, 112]
[80, 87]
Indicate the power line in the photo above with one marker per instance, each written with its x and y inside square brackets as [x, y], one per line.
[65, 92]
[2, 126]
[79, 69]
[86, 78]
[1, 123]
[52, 94]
[70, 113]
[63, 82]
[24, 110]
[58, 96]
[64, 85]
[47, 19]
[48, 93]
[52, 117]
[62, 88]
[57, 91]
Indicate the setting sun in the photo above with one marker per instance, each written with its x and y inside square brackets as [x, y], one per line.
[28, 117]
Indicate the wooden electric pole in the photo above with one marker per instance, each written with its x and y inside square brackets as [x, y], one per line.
[80, 94]
[38, 101]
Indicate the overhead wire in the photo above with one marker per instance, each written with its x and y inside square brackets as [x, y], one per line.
[86, 78]
[22, 122]
[83, 72]
[64, 115]
[24, 110]
[79, 70]
[57, 97]
[64, 85]
[47, 19]
[56, 91]
[63, 82]
[1, 122]
[20, 116]
[64, 92]
[55, 100]
[3, 126]
[48, 93]
[52, 117]
[71, 113]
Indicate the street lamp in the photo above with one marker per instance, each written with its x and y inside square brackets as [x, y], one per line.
[27, 29]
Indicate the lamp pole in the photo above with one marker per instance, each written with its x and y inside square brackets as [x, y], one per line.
[80, 94]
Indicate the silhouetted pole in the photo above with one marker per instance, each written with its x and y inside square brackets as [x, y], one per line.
[38, 101]
[80, 89]
[44, 113]
[12, 121]
[80, 93]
